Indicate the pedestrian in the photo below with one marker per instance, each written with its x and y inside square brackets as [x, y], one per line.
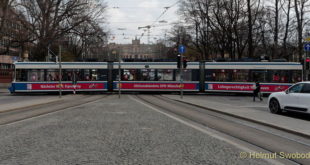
[256, 92]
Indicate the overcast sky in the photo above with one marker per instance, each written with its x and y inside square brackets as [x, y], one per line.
[131, 14]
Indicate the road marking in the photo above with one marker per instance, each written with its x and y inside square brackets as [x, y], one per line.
[203, 130]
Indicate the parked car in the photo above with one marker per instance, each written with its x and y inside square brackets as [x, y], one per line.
[296, 98]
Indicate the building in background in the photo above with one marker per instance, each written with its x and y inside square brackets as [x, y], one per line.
[11, 48]
[137, 51]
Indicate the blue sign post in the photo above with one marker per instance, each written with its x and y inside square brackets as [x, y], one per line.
[181, 49]
[15, 58]
[307, 47]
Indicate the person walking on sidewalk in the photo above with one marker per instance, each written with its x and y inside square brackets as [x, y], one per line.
[256, 92]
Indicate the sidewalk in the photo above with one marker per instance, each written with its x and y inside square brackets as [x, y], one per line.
[301, 127]
[28, 103]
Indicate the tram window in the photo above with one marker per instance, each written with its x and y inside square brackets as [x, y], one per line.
[52, 75]
[35, 75]
[284, 76]
[67, 75]
[195, 74]
[210, 75]
[165, 75]
[227, 75]
[240, 75]
[220, 75]
[295, 76]
[129, 75]
[115, 74]
[102, 75]
[87, 75]
[259, 75]
[21, 75]
[187, 75]
[147, 75]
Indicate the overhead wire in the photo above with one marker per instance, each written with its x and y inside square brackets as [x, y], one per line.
[164, 12]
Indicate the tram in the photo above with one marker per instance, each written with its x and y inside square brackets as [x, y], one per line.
[154, 76]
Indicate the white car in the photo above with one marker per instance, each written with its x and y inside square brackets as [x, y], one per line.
[296, 98]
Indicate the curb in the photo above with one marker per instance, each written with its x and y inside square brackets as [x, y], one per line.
[247, 119]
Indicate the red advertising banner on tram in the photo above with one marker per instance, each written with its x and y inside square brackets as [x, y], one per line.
[246, 87]
[159, 86]
[65, 86]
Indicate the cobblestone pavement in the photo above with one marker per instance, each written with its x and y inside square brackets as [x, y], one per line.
[111, 131]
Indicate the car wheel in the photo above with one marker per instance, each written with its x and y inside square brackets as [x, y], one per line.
[274, 106]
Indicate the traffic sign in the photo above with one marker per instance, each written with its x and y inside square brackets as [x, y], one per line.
[307, 47]
[15, 58]
[182, 49]
[307, 39]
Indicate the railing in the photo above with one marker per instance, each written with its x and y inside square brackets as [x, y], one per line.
[6, 75]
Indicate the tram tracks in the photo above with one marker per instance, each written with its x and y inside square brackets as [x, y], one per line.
[268, 141]
[28, 112]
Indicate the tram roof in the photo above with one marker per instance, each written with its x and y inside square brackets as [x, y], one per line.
[164, 65]
[65, 65]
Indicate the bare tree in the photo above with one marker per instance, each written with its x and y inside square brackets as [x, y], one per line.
[85, 36]
[250, 29]
[276, 28]
[247, 28]
[197, 12]
[50, 20]
[4, 6]
[287, 12]
[300, 9]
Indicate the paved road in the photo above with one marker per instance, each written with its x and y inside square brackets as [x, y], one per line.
[265, 137]
[112, 131]
[243, 102]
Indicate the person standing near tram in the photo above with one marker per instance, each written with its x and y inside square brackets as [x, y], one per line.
[256, 92]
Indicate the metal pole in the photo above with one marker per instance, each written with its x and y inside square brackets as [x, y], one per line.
[48, 53]
[60, 74]
[306, 70]
[74, 82]
[119, 75]
[181, 76]
[303, 73]
[181, 67]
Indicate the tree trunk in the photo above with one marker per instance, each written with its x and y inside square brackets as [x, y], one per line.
[250, 30]
[276, 30]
